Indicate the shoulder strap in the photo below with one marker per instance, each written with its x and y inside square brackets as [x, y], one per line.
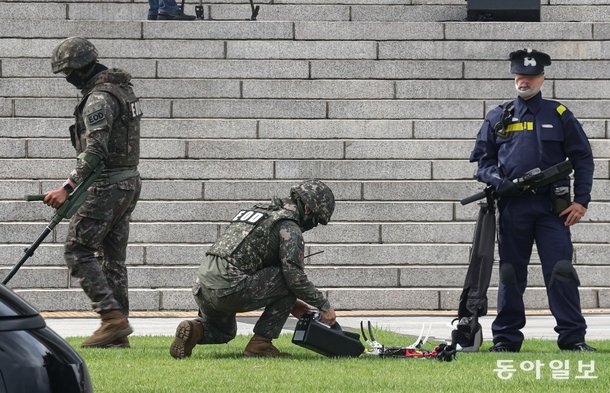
[508, 112]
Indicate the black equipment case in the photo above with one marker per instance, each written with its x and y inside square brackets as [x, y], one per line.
[503, 10]
[329, 341]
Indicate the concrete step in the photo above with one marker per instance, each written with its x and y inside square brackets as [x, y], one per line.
[326, 89]
[360, 212]
[245, 129]
[334, 233]
[480, 55]
[444, 299]
[295, 11]
[74, 299]
[407, 149]
[326, 277]
[53, 30]
[242, 169]
[417, 255]
[278, 129]
[264, 148]
[313, 109]
[340, 109]
[342, 299]
[185, 211]
[225, 190]
[349, 2]
[334, 255]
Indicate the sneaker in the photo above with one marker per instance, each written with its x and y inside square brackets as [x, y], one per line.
[177, 16]
[579, 347]
[503, 347]
[152, 17]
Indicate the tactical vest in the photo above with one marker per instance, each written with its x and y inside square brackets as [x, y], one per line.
[246, 241]
[124, 141]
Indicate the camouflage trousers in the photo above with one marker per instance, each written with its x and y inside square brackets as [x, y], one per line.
[265, 288]
[96, 245]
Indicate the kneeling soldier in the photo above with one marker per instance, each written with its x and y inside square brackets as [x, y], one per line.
[258, 262]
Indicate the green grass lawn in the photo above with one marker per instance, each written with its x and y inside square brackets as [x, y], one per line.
[148, 367]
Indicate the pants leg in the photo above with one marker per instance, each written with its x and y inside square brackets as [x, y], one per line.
[115, 243]
[153, 7]
[265, 288]
[516, 237]
[87, 234]
[219, 326]
[84, 236]
[555, 248]
[168, 7]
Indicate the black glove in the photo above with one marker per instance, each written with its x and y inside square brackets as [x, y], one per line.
[507, 189]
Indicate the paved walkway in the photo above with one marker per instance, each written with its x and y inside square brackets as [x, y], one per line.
[538, 326]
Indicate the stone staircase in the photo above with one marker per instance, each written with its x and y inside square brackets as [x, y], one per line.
[298, 10]
[382, 99]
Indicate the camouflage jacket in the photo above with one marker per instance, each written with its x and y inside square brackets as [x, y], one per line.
[269, 235]
[107, 124]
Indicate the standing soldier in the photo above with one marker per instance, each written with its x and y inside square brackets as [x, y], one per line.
[516, 137]
[258, 262]
[106, 132]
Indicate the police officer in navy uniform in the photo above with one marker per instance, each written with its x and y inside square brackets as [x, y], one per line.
[531, 132]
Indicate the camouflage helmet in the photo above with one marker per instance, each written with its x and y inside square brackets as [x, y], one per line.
[74, 53]
[318, 197]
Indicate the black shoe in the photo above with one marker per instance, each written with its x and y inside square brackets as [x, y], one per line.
[579, 347]
[152, 17]
[178, 16]
[503, 347]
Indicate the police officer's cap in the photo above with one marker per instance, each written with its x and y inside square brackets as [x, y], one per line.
[528, 62]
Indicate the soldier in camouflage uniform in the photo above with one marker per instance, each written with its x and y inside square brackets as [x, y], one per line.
[106, 132]
[258, 262]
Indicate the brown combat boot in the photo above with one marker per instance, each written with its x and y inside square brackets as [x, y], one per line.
[122, 342]
[114, 327]
[188, 334]
[260, 346]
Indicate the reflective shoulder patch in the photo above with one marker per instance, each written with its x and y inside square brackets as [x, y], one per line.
[523, 126]
[560, 109]
[547, 126]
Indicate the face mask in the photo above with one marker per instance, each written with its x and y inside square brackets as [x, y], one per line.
[79, 78]
[527, 94]
[309, 222]
[75, 79]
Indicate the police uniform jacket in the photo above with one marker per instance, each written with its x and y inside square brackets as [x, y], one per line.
[540, 134]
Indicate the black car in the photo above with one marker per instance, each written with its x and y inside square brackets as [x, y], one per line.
[33, 358]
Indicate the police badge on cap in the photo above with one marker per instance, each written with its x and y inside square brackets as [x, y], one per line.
[529, 62]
